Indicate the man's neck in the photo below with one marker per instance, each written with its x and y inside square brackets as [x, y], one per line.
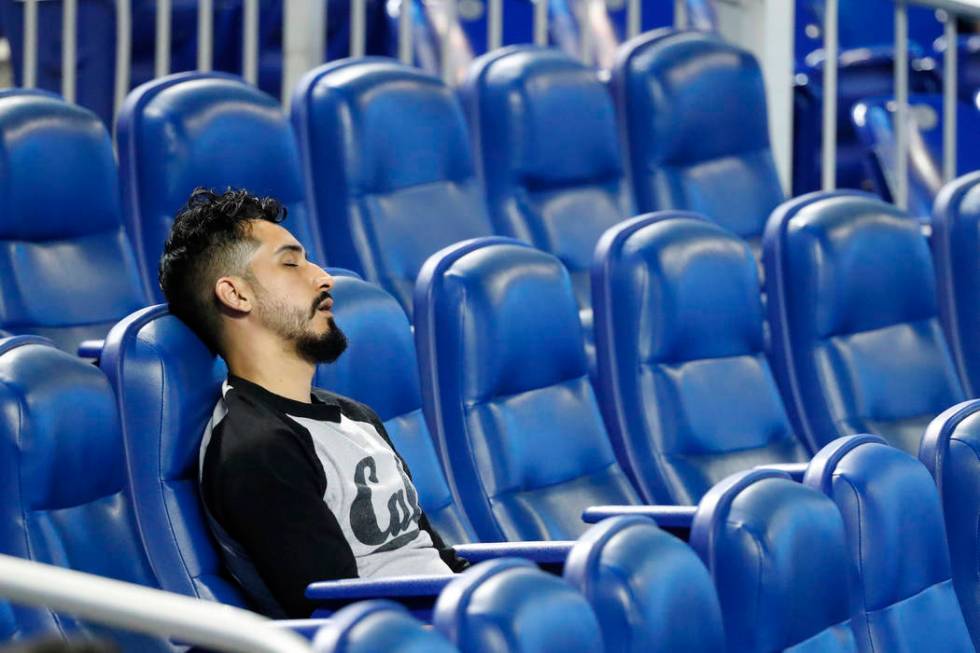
[281, 373]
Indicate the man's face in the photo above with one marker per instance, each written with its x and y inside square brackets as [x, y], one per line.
[292, 295]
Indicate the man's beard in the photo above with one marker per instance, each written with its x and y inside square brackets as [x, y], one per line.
[293, 325]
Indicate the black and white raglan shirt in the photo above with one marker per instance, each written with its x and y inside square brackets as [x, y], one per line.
[313, 492]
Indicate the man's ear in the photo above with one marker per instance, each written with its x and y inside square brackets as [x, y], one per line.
[234, 293]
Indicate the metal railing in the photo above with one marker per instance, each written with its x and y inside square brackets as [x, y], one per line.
[143, 610]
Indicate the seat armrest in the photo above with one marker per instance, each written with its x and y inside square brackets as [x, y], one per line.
[305, 627]
[417, 593]
[673, 519]
[795, 470]
[91, 349]
[547, 553]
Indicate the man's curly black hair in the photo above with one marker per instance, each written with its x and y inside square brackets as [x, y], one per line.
[210, 238]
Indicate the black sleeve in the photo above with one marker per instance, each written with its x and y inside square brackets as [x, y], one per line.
[363, 413]
[270, 499]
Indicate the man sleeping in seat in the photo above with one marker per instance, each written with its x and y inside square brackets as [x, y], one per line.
[299, 484]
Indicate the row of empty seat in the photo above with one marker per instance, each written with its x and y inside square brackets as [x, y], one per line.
[853, 559]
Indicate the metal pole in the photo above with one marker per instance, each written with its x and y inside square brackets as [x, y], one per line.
[583, 9]
[161, 54]
[495, 24]
[30, 44]
[680, 14]
[143, 609]
[205, 35]
[357, 27]
[447, 42]
[123, 54]
[902, 99]
[950, 79]
[250, 42]
[633, 16]
[541, 22]
[69, 48]
[405, 32]
[828, 163]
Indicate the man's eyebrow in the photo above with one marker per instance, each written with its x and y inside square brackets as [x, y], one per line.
[289, 247]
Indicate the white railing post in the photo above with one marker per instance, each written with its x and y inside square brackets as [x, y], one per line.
[950, 83]
[541, 22]
[902, 100]
[634, 16]
[29, 72]
[680, 14]
[205, 35]
[123, 51]
[69, 48]
[447, 41]
[495, 24]
[250, 41]
[831, 46]
[302, 41]
[161, 53]
[358, 27]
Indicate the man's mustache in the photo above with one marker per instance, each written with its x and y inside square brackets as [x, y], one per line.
[322, 297]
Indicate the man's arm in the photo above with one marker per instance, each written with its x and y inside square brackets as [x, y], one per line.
[270, 500]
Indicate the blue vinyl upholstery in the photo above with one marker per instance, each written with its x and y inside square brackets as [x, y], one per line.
[778, 555]
[951, 452]
[378, 627]
[874, 120]
[955, 247]
[648, 589]
[902, 596]
[380, 369]
[67, 268]
[388, 167]
[194, 129]
[505, 386]
[693, 117]
[857, 346]
[684, 381]
[511, 606]
[63, 481]
[553, 175]
[166, 383]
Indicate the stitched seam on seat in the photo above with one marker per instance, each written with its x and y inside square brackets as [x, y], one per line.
[965, 443]
[911, 596]
[848, 334]
[860, 556]
[587, 474]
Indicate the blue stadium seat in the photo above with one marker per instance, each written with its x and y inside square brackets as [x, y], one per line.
[67, 268]
[684, 381]
[388, 166]
[693, 116]
[166, 384]
[212, 130]
[64, 492]
[902, 596]
[874, 120]
[511, 606]
[857, 345]
[544, 129]
[778, 555]
[950, 452]
[955, 246]
[506, 389]
[375, 627]
[648, 589]
[380, 369]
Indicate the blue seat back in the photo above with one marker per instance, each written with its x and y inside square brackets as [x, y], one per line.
[693, 118]
[167, 383]
[902, 596]
[505, 386]
[684, 380]
[553, 176]
[955, 245]
[856, 341]
[949, 451]
[213, 130]
[778, 555]
[65, 498]
[874, 120]
[380, 368]
[389, 166]
[67, 269]
[511, 605]
[373, 626]
[648, 589]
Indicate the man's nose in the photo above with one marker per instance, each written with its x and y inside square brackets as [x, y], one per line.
[323, 278]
